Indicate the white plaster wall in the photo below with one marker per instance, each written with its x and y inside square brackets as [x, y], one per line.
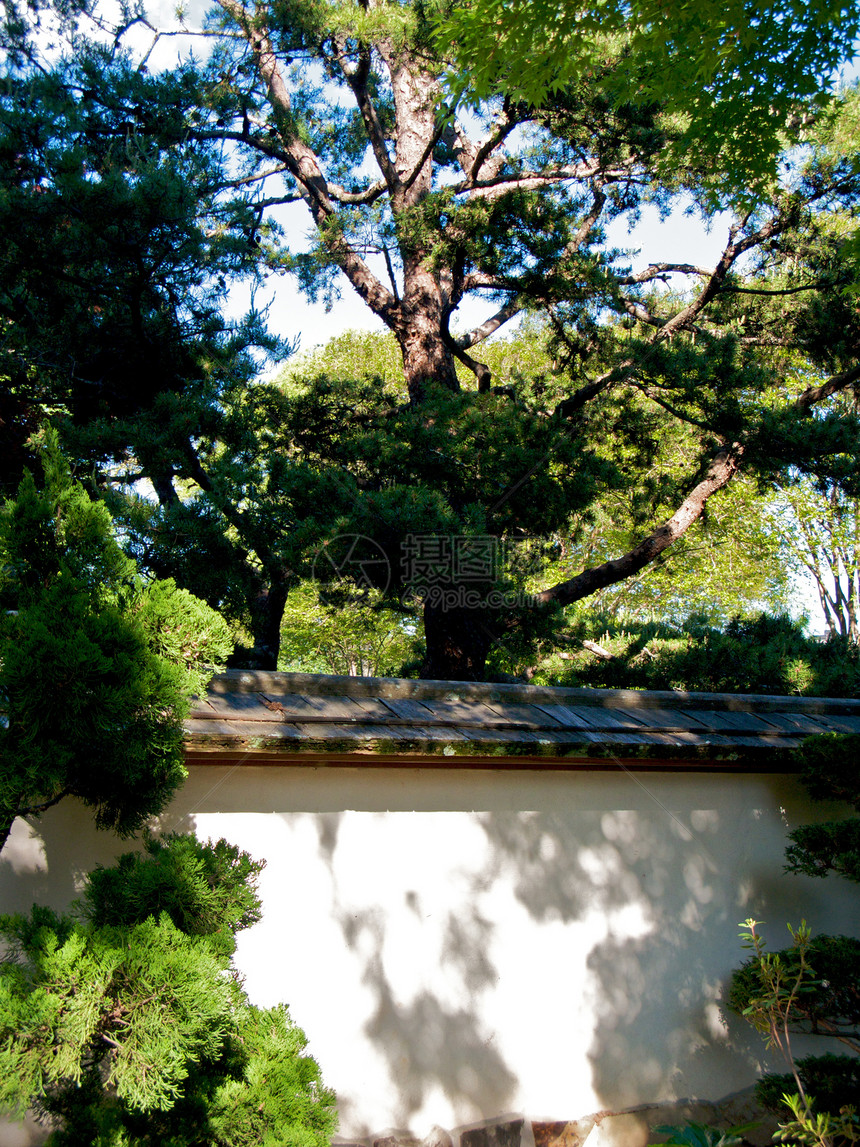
[460, 944]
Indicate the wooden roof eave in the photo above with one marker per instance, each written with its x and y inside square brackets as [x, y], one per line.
[318, 721]
[387, 754]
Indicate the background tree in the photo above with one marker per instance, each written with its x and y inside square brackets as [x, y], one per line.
[97, 667]
[761, 653]
[735, 75]
[437, 211]
[823, 531]
[126, 1024]
[733, 562]
[353, 632]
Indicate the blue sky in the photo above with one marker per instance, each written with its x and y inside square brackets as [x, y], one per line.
[680, 238]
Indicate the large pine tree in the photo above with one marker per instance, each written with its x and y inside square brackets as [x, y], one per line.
[419, 203]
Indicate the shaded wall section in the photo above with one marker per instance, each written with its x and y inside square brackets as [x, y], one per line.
[459, 944]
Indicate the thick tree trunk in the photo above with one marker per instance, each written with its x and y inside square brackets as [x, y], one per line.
[458, 641]
[426, 357]
[267, 615]
[164, 489]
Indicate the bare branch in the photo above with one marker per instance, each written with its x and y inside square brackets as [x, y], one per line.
[642, 314]
[731, 289]
[586, 226]
[390, 268]
[296, 154]
[480, 370]
[651, 393]
[813, 394]
[658, 270]
[273, 150]
[722, 469]
[477, 279]
[236, 517]
[369, 195]
[277, 201]
[472, 156]
[731, 252]
[161, 34]
[575, 402]
[499, 185]
[597, 650]
[249, 179]
[38, 809]
[765, 340]
[304, 166]
[490, 326]
[485, 149]
[357, 79]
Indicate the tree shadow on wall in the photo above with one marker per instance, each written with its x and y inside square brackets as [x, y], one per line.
[670, 890]
[654, 896]
[42, 861]
[428, 1043]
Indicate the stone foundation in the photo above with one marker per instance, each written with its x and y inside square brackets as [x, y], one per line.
[631, 1127]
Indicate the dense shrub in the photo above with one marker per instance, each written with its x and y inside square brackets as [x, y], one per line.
[127, 1026]
[830, 1002]
[764, 654]
[833, 1080]
[813, 987]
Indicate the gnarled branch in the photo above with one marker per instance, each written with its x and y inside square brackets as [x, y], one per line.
[721, 471]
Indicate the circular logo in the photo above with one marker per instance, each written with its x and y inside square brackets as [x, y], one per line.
[352, 559]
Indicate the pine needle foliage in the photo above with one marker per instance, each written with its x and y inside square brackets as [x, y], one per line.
[205, 889]
[127, 1026]
[97, 666]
